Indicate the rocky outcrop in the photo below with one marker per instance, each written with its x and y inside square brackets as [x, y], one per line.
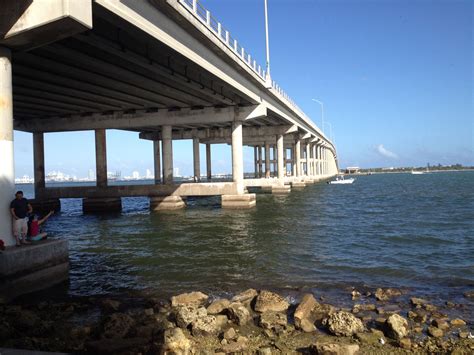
[334, 349]
[185, 315]
[274, 321]
[386, 294]
[189, 299]
[238, 313]
[175, 342]
[218, 306]
[304, 317]
[270, 302]
[117, 325]
[344, 324]
[205, 326]
[396, 327]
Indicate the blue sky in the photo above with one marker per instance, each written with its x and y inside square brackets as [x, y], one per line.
[396, 79]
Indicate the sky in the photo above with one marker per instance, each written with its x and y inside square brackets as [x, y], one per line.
[395, 76]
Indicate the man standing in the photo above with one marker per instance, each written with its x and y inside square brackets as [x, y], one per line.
[20, 208]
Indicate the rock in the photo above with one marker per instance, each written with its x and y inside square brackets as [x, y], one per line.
[430, 307]
[205, 326]
[117, 325]
[218, 306]
[435, 332]
[463, 334]
[307, 326]
[355, 294]
[396, 327]
[417, 301]
[189, 299]
[230, 334]
[469, 294]
[239, 313]
[246, 296]
[457, 322]
[270, 301]
[386, 294]
[440, 323]
[239, 345]
[185, 315]
[344, 324]
[304, 311]
[363, 307]
[80, 332]
[418, 315]
[149, 312]
[322, 311]
[221, 320]
[25, 320]
[334, 349]
[371, 338]
[114, 346]
[273, 320]
[264, 351]
[110, 306]
[175, 342]
[405, 343]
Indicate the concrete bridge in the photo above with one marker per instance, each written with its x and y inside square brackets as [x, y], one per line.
[166, 69]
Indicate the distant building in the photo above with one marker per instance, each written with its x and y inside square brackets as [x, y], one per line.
[352, 170]
[135, 175]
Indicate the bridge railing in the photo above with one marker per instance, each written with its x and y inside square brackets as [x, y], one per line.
[205, 17]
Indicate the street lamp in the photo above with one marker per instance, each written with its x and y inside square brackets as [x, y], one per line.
[330, 130]
[268, 77]
[322, 113]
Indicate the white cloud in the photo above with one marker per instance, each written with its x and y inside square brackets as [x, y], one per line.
[386, 153]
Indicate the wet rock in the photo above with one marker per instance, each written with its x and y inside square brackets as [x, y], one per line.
[469, 294]
[440, 323]
[304, 311]
[418, 316]
[265, 351]
[457, 322]
[322, 311]
[110, 306]
[185, 315]
[435, 332]
[189, 299]
[307, 326]
[205, 326]
[355, 294]
[270, 301]
[230, 334]
[417, 301]
[463, 334]
[386, 294]
[334, 349]
[115, 346]
[239, 313]
[241, 344]
[430, 307]
[246, 296]
[273, 321]
[218, 306]
[80, 332]
[221, 320]
[396, 327]
[117, 325]
[371, 338]
[175, 342]
[358, 307]
[405, 343]
[344, 324]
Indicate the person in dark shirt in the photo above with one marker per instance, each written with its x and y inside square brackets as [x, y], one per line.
[20, 208]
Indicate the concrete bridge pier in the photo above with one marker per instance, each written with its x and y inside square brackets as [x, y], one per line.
[239, 199]
[208, 162]
[267, 161]
[281, 188]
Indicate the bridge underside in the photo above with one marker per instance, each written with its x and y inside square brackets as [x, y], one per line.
[146, 67]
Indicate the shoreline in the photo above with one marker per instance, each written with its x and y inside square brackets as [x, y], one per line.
[262, 322]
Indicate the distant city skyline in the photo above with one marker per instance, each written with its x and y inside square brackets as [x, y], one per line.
[395, 78]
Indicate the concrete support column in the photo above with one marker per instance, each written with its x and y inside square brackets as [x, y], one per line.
[315, 161]
[267, 160]
[260, 161]
[196, 159]
[281, 159]
[167, 147]
[7, 168]
[307, 160]
[157, 161]
[275, 165]
[38, 163]
[293, 160]
[298, 157]
[208, 161]
[101, 157]
[237, 157]
[255, 161]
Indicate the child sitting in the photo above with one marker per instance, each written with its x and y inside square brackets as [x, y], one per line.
[35, 233]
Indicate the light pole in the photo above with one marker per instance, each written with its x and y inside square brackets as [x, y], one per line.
[330, 130]
[268, 77]
[322, 113]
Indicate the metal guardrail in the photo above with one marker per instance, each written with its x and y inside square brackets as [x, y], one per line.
[204, 16]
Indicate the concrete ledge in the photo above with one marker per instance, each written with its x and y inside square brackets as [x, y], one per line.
[309, 181]
[239, 201]
[43, 206]
[266, 189]
[166, 203]
[101, 205]
[298, 185]
[281, 190]
[33, 267]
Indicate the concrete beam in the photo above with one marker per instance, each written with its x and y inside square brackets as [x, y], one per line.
[142, 119]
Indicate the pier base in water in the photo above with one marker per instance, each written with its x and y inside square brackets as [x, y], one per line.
[239, 201]
[166, 203]
[281, 190]
[101, 205]
[43, 206]
[32, 268]
[298, 185]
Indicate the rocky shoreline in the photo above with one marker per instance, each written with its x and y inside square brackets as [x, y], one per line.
[385, 321]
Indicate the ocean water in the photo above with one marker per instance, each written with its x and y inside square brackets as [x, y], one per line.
[410, 231]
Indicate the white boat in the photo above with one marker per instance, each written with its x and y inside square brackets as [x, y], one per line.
[417, 172]
[341, 180]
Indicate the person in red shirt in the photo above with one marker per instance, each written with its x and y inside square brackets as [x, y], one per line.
[35, 233]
